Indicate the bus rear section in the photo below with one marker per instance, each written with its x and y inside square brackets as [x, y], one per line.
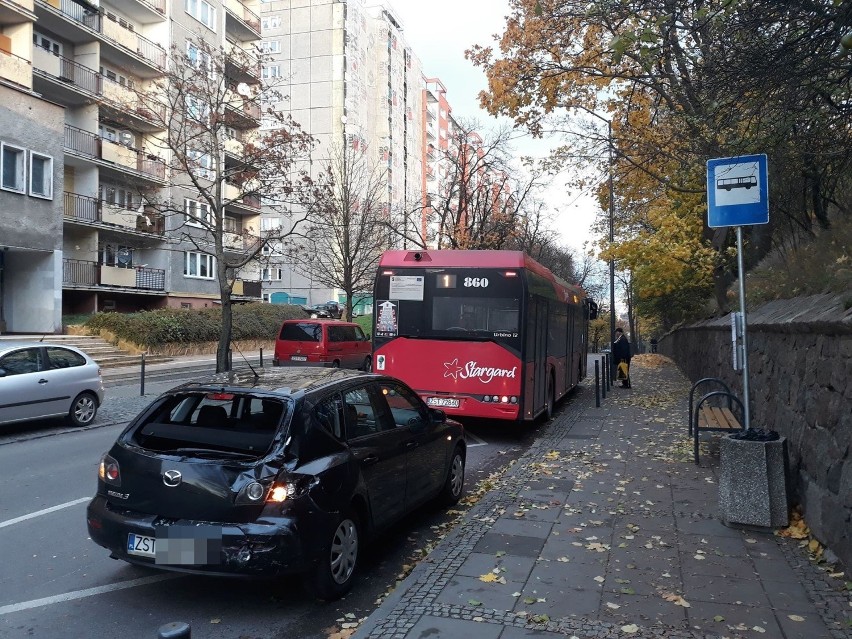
[468, 331]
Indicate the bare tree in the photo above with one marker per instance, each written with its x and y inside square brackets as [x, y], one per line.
[479, 193]
[348, 225]
[222, 167]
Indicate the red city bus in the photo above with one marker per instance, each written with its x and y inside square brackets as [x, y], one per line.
[490, 334]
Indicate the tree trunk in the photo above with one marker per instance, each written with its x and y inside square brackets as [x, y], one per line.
[223, 350]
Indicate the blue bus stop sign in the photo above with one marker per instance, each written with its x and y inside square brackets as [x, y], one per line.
[737, 191]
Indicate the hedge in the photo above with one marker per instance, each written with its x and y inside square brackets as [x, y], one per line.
[169, 326]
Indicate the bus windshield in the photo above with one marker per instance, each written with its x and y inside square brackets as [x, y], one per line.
[472, 314]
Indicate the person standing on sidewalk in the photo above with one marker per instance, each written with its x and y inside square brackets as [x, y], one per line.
[621, 353]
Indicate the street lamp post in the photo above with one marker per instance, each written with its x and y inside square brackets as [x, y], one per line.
[611, 240]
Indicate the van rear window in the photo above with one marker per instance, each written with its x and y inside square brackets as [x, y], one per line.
[301, 332]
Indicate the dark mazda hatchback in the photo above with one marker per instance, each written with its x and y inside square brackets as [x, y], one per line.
[286, 471]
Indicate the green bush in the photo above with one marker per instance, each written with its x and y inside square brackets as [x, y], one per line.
[167, 326]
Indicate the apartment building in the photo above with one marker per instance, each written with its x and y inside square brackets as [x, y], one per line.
[88, 240]
[31, 155]
[350, 79]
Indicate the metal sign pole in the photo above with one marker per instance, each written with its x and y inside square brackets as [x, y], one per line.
[741, 270]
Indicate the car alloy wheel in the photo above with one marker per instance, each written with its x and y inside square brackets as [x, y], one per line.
[83, 410]
[454, 484]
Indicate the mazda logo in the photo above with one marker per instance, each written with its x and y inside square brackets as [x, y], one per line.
[171, 478]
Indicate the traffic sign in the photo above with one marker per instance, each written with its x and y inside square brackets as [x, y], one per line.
[737, 191]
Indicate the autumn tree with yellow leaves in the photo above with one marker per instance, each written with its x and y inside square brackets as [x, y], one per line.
[681, 82]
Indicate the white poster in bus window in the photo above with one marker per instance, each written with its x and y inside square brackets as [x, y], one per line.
[388, 320]
[406, 287]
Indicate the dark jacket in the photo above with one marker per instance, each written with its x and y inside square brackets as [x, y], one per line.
[621, 349]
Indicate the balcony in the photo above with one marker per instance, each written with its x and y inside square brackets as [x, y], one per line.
[16, 69]
[64, 80]
[86, 274]
[246, 288]
[16, 11]
[234, 198]
[241, 22]
[241, 113]
[89, 145]
[126, 105]
[241, 65]
[78, 20]
[90, 210]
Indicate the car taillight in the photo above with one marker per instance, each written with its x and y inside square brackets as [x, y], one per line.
[109, 472]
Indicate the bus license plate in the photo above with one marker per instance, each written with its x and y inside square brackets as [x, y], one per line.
[447, 402]
[298, 358]
[140, 545]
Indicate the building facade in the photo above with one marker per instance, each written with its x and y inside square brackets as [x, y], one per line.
[76, 70]
[350, 79]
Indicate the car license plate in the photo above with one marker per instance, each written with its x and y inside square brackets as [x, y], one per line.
[298, 358]
[447, 402]
[140, 545]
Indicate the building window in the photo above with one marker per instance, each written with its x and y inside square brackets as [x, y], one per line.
[271, 71]
[198, 58]
[118, 196]
[272, 46]
[116, 255]
[201, 164]
[272, 22]
[231, 225]
[49, 44]
[203, 12]
[270, 224]
[265, 298]
[197, 213]
[271, 274]
[198, 265]
[41, 175]
[198, 109]
[12, 160]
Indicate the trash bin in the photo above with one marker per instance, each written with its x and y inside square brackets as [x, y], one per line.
[753, 479]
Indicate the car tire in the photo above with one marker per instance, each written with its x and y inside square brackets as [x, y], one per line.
[83, 410]
[335, 364]
[454, 484]
[368, 364]
[335, 572]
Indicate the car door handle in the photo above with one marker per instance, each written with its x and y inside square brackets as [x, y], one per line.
[410, 445]
[370, 459]
[42, 381]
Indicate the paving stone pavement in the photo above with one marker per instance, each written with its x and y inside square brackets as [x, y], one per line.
[605, 528]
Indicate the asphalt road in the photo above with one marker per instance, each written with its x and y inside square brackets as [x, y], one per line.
[56, 583]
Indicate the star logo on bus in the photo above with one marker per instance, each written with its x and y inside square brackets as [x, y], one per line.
[452, 369]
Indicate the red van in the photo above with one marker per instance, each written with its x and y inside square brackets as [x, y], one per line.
[323, 342]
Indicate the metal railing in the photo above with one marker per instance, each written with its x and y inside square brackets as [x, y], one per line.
[150, 278]
[74, 73]
[90, 144]
[79, 272]
[81, 141]
[93, 18]
[87, 273]
[82, 207]
[248, 16]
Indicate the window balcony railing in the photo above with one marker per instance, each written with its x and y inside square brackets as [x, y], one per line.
[117, 33]
[84, 208]
[90, 273]
[66, 70]
[91, 145]
[244, 14]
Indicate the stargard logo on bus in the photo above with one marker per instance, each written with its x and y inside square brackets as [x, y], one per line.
[471, 370]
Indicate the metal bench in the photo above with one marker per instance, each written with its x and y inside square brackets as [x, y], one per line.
[709, 415]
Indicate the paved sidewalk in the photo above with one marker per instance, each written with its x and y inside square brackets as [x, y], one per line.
[605, 528]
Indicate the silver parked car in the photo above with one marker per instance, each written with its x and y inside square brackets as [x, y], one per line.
[39, 380]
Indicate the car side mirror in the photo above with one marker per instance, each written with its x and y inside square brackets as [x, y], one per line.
[438, 416]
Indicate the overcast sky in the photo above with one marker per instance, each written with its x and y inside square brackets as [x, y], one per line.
[439, 32]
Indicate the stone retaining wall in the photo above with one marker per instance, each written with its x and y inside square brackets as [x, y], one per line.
[800, 379]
